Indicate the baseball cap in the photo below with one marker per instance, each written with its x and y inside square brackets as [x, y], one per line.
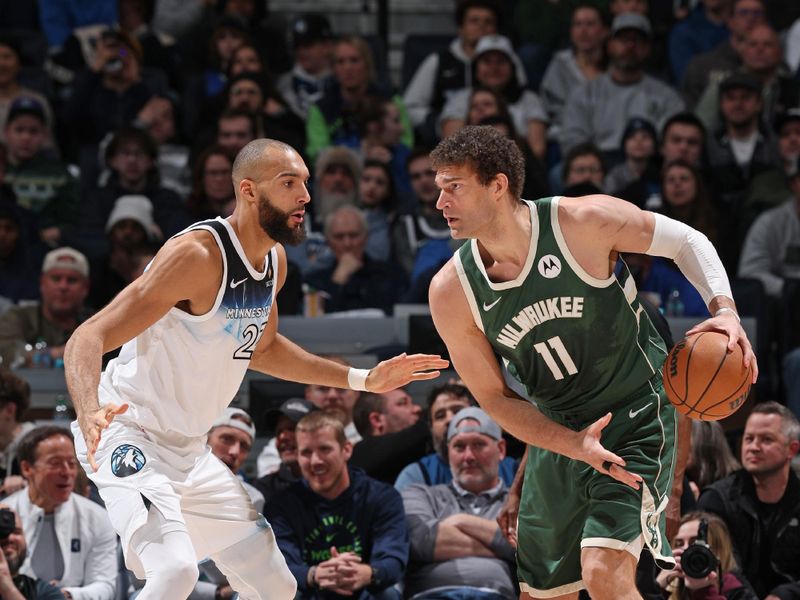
[25, 105]
[787, 116]
[638, 124]
[485, 425]
[631, 20]
[740, 80]
[310, 28]
[293, 408]
[66, 258]
[500, 43]
[135, 207]
[238, 419]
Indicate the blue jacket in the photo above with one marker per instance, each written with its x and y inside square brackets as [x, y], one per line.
[367, 518]
[432, 470]
[692, 36]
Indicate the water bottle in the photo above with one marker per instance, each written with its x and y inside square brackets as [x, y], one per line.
[674, 306]
[61, 410]
[41, 358]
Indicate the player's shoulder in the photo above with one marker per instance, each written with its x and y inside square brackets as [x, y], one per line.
[589, 209]
[445, 281]
[197, 248]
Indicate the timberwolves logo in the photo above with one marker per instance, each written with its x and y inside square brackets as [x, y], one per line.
[549, 266]
[127, 460]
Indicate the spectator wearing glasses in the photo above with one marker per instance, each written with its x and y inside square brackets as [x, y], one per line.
[70, 539]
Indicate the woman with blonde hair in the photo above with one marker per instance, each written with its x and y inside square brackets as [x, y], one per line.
[723, 582]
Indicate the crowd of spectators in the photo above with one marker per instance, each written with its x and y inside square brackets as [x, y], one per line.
[119, 123]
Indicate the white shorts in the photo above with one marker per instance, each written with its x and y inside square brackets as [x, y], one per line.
[192, 488]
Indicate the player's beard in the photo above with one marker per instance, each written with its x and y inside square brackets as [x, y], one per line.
[275, 223]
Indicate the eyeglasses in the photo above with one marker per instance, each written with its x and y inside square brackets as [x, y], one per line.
[749, 12]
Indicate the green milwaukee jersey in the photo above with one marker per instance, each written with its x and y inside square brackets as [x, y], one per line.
[580, 345]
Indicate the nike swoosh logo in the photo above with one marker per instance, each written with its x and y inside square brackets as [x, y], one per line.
[488, 307]
[235, 284]
[633, 413]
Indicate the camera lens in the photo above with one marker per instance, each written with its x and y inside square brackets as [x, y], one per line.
[698, 561]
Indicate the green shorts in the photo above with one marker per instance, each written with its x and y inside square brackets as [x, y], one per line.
[567, 505]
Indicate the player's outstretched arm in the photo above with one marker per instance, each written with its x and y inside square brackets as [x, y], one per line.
[629, 229]
[179, 273]
[476, 364]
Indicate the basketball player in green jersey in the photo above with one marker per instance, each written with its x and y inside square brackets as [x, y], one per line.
[540, 284]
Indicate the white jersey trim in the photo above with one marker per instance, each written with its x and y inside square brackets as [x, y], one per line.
[562, 244]
[526, 268]
[182, 314]
[236, 244]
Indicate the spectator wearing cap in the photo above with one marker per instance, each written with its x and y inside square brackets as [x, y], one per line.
[332, 120]
[443, 402]
[131, 157]
[497, 67]
[762, 57]
[63, 285]
[280, 424]
[394, 434]
[312, 47]
[230, 439]
[598, 110]
[457, 548]
[771, 188]
[341, 532]
[131, 234]
[110, 94]
[40, 182]
[738, 151]
[581, 62]
[11, 89]
[639, 143]
[443, 73]
[336, 401]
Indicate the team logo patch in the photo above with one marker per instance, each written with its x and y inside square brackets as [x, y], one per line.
[549, 266]
[126, 460]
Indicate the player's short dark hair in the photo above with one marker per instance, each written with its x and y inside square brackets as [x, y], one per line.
[367, 404]
[487, 151]
[29, 444]
[451, 389]
[462, 6]
[14, 390]
[790, 426]
[683, 118]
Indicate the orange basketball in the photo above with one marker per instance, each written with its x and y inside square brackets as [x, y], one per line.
[703, 380]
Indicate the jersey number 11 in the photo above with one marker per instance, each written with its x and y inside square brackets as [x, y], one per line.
[566, 360]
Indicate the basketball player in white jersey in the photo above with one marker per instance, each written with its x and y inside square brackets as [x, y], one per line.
[201, 315]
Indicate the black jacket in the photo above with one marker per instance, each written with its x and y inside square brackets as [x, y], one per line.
[734, 499]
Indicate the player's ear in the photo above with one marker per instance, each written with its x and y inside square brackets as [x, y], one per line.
[499, 184]
[247, 189]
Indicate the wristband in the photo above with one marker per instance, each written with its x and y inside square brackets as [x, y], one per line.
[730, 310]
[357, 379]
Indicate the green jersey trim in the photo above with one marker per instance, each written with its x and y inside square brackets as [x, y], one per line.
[526, 268]
[562, 245]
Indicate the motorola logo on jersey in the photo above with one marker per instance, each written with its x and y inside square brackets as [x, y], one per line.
[127, 460]
[549, 266]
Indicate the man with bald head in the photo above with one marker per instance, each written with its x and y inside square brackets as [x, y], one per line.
[201, 315]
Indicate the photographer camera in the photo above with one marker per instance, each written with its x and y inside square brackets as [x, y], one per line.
[13, 585]
[706, 568]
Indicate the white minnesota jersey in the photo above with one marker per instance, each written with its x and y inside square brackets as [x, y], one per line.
[180, 373]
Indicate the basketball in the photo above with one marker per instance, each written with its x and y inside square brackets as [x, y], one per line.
[703, 380]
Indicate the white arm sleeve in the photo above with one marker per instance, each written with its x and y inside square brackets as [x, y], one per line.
[694, 254]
